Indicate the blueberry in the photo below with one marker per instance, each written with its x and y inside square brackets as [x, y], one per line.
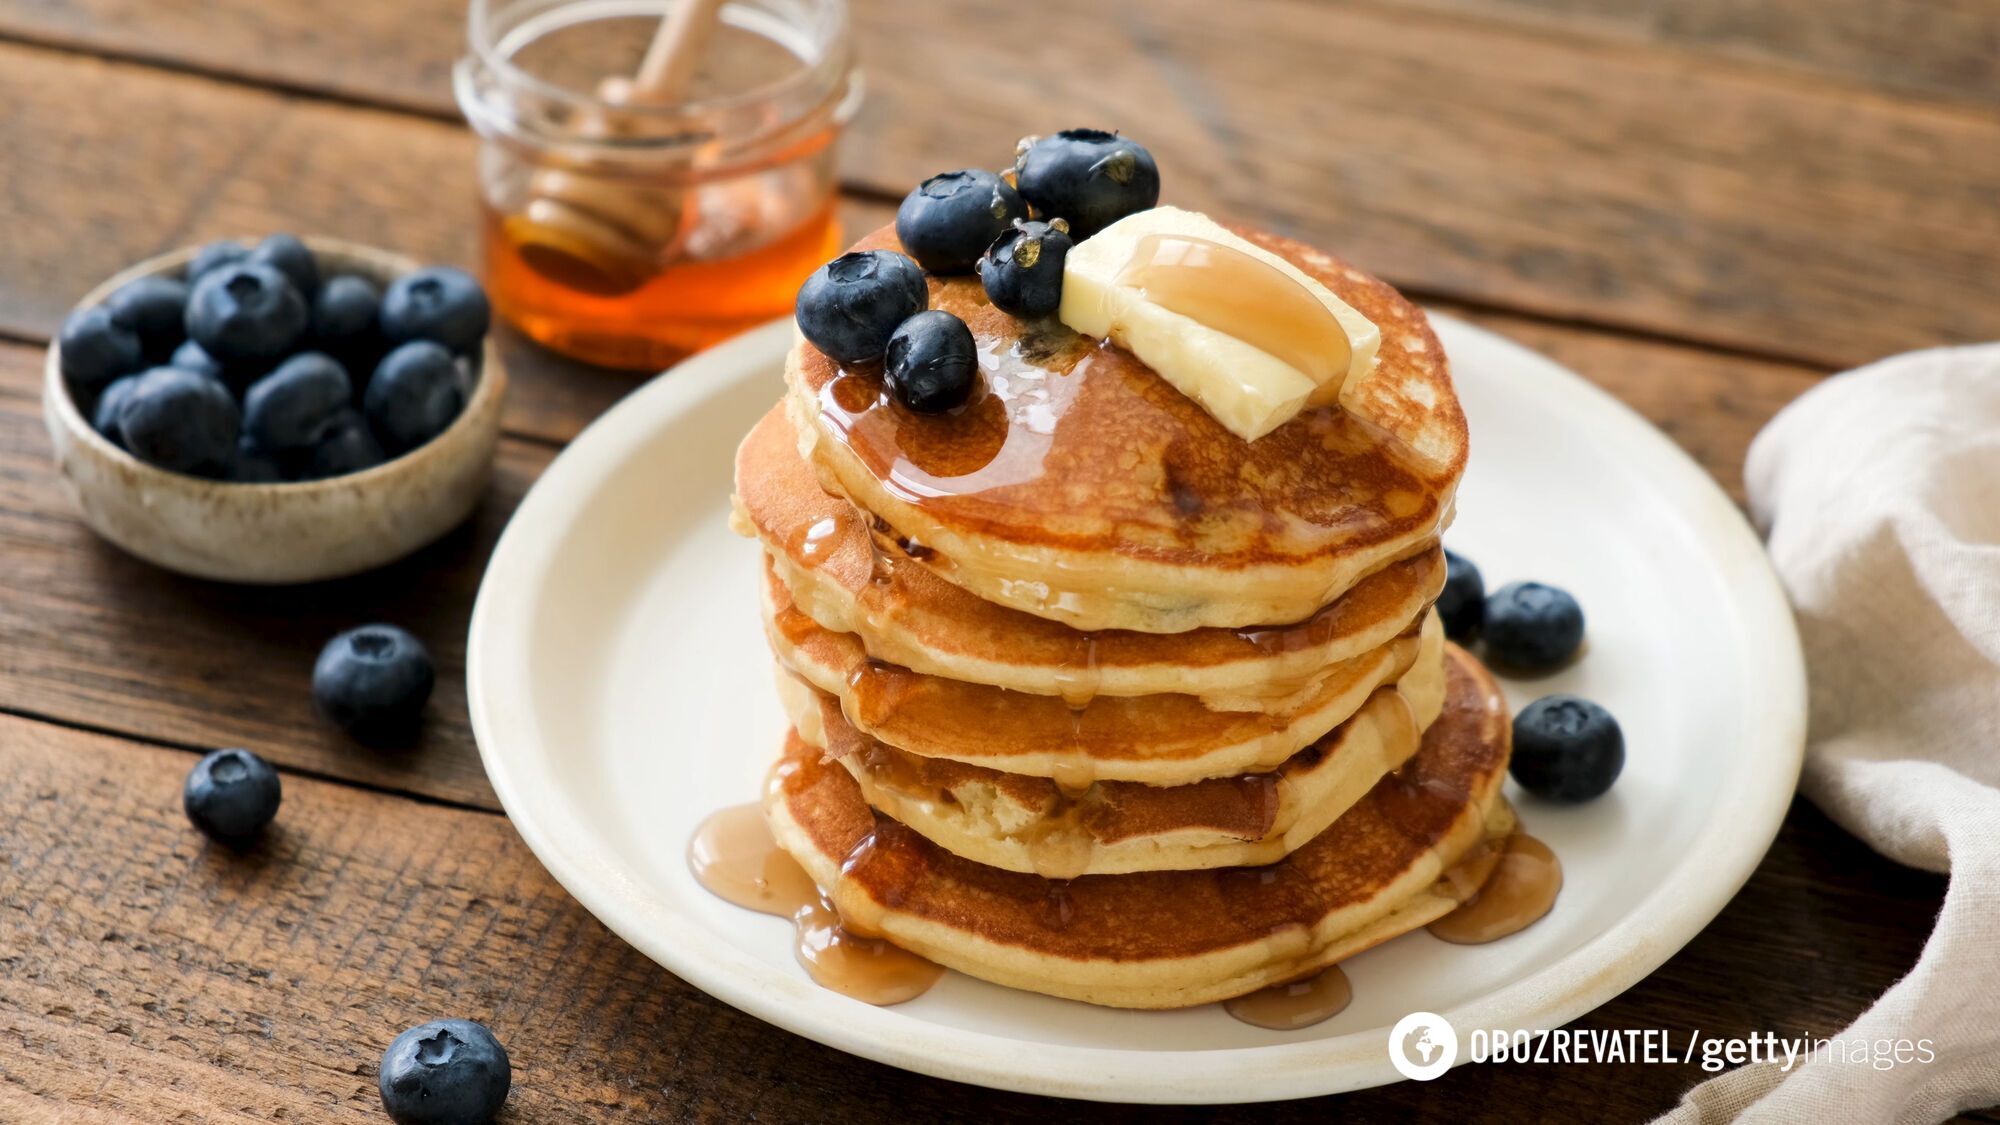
[446, 1072]
[180, 420]
[155, 308]
[191, 356]
[344, 319]
[1566, 749]
[849, 307]
[415, 393]
[951, 218]
[294, 406]
[289, 256]
[97, 349]
[245, 313]
[104, 419]
[1023, 270]
[932, 364]
[1462, 604]
[438, 303]
[224, 252]
[372, 682]
[231, 795]
[348, 446]
[1088, 176]
[1531, 627]
[253, 465]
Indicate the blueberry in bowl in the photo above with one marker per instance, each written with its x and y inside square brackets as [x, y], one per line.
[211, 418]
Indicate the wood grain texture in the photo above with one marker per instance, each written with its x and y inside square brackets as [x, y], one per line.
[152, 976]
[1599, 179]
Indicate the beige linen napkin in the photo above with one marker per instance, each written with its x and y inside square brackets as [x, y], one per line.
[1879, 491]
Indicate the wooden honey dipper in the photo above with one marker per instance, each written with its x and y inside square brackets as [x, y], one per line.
[599, 235]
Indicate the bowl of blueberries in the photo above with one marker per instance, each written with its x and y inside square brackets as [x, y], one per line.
[284, 411]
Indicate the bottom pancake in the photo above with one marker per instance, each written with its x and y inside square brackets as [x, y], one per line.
[1403, 856]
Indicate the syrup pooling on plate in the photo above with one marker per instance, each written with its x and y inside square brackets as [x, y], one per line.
[1522, 887]
[734, 857]
[1294, 1004]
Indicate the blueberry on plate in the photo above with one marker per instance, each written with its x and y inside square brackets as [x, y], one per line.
[849, 307]
[1462, 604]
[438, 303]
[215, 255]
[1532, 628]
[179, 420]
[155, 308]
[1088, 176]
[97, 349]
[104, 419]
[348, 446]
[931, 364]
[231, 795]
[415, 393]
[254, 465]
[295, 405]
[343, 318]
[446, 1072]
[1566, 749]
[949, 220]
[245, 313]
[289, 256]
[1023, 269]
[191, 356]
[372, 682]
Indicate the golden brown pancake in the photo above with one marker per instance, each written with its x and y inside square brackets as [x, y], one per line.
[1084, 488]
[1159, 739]
[1176, 938]
[1030, 824]
[841, 577]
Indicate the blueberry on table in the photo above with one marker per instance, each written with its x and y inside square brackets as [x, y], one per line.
[949, 220]
[156, 309]
[415, 393]
[254, 465]
[245, 313]
[215, 255]
[1088, 176]
[1462, 603]
[373, 682]
[348, 446]
[446, 1072]
[1023, 269]
[179, 420]
[849, 307]
[231, 795]
[295, 405]
[1566, 748]
[438, 303]
[104, 419]
[1531, 627]
[289, 256]
[932, 364]
[97, 349]
[191, 356]
[344, 318]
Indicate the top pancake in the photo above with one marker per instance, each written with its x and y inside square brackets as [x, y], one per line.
[1082, 487]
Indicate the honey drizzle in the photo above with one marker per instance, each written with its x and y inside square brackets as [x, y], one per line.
[1294, 1004]
[734, 857]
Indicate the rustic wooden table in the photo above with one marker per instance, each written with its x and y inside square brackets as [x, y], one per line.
[1704, 205]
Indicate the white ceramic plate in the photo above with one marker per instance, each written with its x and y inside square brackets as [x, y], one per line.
[620, 690]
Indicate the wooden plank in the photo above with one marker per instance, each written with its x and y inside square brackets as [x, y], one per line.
[152, 976]
[1598, 180]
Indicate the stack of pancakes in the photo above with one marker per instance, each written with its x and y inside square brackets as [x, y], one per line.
[1090, 696]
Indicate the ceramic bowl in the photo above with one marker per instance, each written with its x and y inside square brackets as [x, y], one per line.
[277, 533]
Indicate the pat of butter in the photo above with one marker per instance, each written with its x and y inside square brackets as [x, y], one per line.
[1207, 343]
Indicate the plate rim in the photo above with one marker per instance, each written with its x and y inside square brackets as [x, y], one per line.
[1581, 980]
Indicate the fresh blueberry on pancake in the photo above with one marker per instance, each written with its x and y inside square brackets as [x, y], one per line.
[850, 306]
[231, 795]
[1462, 605]
[1088, 176]
[96, 349]
[951, 218]
[155, 308]
[182, 421]
[245, 313]
[1023, 270]
[931, 362]
[1532, 628]
[1567, 749]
